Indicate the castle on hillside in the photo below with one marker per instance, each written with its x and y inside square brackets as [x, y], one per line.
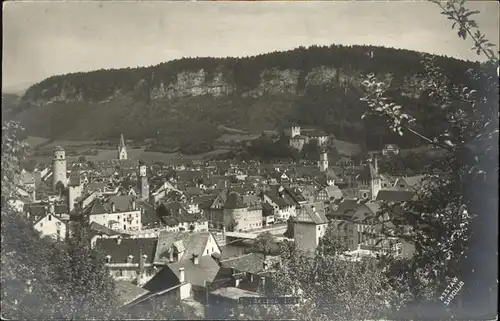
[297, 139]
[122, 149]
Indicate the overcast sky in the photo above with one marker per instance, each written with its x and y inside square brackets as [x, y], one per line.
[41, 39]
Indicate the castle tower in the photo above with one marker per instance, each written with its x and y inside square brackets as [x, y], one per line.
[59, 167]
[122, 149]
[143, 182]
[323, 161]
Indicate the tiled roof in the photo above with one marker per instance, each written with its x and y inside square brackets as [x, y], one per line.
[193, 190]
[127, 292]
[234, 200]
[295, 194]
[127, 246]
[394, 195]
[252, 201]
[312, 213]
[123, 203]
[95, 207]
[414, 181]
[61, 209]
[233, 293]
[267, 209]
[194, 243]
[341, 209]
[277, 197]
[253, 263]
[196, 274]
[74, 180]
[99, 229]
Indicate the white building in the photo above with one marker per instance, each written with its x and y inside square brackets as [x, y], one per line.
[51, 226]
[119, 213]
[310, 227]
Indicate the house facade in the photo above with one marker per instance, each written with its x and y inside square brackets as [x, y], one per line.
[310, 225]
[51, 226]
[119, 213]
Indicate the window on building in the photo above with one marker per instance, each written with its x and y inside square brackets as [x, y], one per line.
[207, 251]
[50, 217]
[124, 226]
[401, 185]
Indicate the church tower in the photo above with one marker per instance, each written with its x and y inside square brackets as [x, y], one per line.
[143, 183]
[59, 167]
[323, 161]
[122, 149]
[375, 183]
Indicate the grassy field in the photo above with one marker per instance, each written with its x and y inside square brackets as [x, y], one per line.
[345, 148]
[236, 138]
[110, 154]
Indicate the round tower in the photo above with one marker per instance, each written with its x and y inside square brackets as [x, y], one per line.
[59, 167]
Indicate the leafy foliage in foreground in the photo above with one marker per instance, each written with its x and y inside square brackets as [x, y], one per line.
[42, 279]
[454, 221]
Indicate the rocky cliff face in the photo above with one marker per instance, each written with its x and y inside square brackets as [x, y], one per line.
[199, 83]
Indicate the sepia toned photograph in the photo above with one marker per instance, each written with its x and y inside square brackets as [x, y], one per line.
[250, 160]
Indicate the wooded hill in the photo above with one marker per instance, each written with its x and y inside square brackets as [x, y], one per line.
[183, 101]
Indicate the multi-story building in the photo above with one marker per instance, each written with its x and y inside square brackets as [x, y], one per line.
[284, 206]
[128, 259]
[51, 226]
[119, 213]
[310, 225]
[236, 212]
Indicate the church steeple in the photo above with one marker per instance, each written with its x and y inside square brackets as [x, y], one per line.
[122, 141]
[122, 149]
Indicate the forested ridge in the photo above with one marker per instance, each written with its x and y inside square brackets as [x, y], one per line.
[102, 104]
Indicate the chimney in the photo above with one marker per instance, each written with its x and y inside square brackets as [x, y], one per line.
[196, 259]
[130, 258]
[52, 208]
[113, 207]
[263, 283]
[93, 241]
[119, 240]
[181, 275]
[235, 278]
[133, 205]
[171, 255]
[141, 270]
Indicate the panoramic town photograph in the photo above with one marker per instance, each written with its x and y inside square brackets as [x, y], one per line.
[262, 160]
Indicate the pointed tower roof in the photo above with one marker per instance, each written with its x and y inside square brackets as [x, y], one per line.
[122, 141]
